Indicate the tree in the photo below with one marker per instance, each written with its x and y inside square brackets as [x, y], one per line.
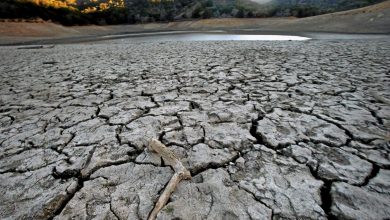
[240, 13]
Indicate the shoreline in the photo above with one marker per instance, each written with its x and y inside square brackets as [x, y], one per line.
[156, 33]
[372, 20]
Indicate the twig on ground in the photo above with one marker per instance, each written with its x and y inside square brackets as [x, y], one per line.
[181, 173]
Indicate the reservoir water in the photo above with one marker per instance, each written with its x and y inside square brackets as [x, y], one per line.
[210, 36]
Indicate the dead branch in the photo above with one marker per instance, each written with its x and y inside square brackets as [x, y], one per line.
[181, 173]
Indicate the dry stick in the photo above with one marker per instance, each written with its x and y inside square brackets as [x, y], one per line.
[181, 173]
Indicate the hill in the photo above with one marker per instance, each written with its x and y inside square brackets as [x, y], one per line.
[103, 12]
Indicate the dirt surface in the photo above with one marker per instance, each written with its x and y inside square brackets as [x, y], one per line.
[373, 19]
[269, 130]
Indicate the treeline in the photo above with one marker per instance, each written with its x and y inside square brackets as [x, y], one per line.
[142, 11]
[11, 9]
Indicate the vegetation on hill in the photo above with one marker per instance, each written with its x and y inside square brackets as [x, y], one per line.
[67, 12]
[81, 12]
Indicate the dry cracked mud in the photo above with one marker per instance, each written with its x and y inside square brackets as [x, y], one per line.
[269, 130]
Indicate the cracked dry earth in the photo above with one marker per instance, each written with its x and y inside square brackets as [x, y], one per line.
[269, 130]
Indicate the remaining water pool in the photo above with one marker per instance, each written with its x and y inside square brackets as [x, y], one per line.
[215, 36]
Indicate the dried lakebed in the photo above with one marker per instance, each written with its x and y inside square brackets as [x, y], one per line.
[281, 130]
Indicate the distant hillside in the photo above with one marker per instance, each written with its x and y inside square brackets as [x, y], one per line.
[70, 12]
[322, 6]
[155, 10]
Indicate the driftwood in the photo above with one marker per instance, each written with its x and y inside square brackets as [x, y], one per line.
[181, 173]
[35, 47]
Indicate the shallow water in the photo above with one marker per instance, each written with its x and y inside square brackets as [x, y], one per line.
[164, 36]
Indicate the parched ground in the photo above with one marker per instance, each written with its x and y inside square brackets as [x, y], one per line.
[282, 130]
